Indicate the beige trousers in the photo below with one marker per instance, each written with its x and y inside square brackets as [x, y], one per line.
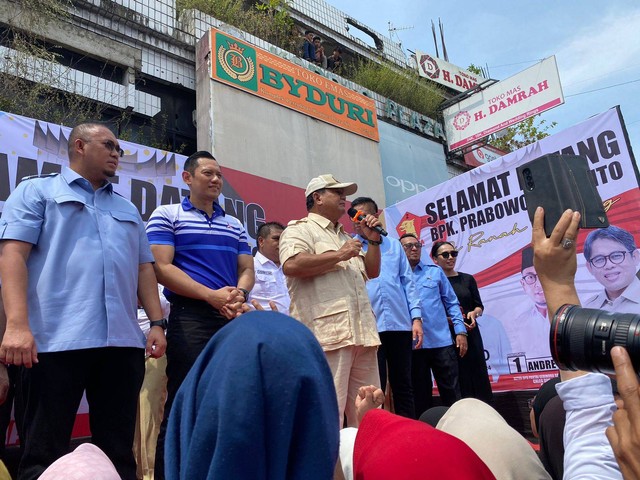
[352, 367]
[150, 410]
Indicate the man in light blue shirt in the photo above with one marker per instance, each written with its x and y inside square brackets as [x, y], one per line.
[396, 304]
[74, 260]
[438, 354]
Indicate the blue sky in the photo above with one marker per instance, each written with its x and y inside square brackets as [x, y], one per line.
[596, 44]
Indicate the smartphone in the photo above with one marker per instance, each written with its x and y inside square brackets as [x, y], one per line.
[464, 317]
[558, 182]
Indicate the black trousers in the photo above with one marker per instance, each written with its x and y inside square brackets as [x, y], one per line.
[443, 362]
[395, 353]
[192, 323]
[50, 393]
[474, 377]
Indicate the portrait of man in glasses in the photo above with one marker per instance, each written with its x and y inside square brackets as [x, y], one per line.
[529, 331]
[612, 258]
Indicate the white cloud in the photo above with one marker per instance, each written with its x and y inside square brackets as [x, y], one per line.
[600, 50]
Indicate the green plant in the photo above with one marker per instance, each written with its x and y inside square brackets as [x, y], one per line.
[522, 134]
[152, 132]
[268, 19]
[403, 87]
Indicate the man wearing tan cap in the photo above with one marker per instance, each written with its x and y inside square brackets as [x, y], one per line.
[326, 272]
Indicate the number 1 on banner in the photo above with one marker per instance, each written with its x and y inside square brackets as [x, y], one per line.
[517, 364]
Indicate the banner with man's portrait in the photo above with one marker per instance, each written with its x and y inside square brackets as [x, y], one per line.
[483, 213]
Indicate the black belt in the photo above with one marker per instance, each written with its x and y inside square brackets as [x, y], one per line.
[179, 300]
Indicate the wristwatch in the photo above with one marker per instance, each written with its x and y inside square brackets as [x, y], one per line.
[245, 293]
[159, 323]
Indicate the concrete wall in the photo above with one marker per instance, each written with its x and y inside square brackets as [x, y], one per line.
[253, 135]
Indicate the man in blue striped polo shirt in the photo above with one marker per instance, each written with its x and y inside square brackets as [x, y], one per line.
[204, 260]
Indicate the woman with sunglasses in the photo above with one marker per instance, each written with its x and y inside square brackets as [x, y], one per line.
[474, 378]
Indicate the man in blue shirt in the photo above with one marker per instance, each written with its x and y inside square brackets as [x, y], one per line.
[308, 48]
[204, 260]
[396, 304]
[438, 354]
[73, 258]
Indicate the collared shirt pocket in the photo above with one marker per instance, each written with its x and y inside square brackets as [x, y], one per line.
[331, 321]
[426, 282]
[123, 226]
[267, 283]
[68, 204]
[124, 216]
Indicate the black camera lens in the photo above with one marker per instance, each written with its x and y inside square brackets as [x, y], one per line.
[582, 338]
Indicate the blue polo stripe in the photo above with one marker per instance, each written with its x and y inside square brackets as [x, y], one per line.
[206, 249]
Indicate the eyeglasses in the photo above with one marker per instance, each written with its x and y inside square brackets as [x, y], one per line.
[446, 255]
[112, 147]
[411, 246]
[530, 278]
[615, 258]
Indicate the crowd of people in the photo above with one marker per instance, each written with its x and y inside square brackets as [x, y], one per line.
[261, 394]
[313, 52]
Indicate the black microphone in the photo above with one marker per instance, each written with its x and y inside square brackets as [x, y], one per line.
[357, 216]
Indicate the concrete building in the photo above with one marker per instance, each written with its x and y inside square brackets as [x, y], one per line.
[139, 57]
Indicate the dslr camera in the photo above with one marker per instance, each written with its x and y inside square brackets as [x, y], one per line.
[582, 338]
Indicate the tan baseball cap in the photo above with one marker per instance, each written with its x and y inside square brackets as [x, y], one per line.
[329, 181]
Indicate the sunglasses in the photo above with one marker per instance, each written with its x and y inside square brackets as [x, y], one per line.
[446, 255]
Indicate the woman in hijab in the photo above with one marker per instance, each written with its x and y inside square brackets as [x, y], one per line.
[501, 448]
[389, 446]
[259, 403]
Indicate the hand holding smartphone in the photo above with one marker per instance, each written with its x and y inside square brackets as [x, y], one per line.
[558, 182]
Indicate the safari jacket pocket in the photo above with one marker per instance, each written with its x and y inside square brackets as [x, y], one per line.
[332, 321]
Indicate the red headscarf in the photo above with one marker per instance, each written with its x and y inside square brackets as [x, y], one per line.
[389, 446]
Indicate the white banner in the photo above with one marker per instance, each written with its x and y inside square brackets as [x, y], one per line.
[503, 104]
[483, 212]
[446, 73]
[146, 176]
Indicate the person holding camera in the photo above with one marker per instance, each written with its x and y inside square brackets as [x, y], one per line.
[592, 418]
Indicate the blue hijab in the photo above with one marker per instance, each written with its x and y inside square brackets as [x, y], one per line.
[259, 403]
